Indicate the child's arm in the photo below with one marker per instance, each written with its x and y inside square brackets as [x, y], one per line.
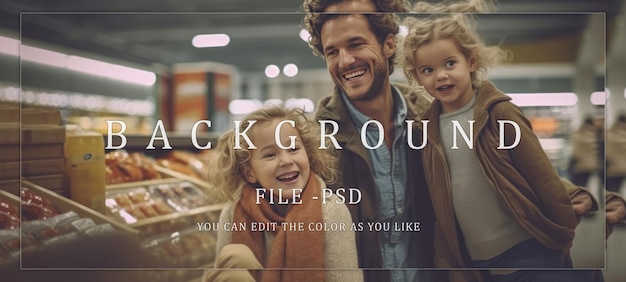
[531, 161]
[615, 211]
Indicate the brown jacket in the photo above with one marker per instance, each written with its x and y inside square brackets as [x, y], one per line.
[355, 170]
[522, 176]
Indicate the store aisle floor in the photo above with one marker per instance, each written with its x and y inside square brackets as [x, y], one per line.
[589, 250]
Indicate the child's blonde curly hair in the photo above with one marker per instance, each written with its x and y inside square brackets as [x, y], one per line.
[226, 165]
[458, 27]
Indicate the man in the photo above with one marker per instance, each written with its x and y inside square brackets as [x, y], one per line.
[359, 51]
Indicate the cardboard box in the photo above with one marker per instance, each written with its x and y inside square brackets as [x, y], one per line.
[9, 113]
[42, 134]
[9, 133]
[30, 115]
[11, 152]
[41, 116]
[31, 133]
[43, 167]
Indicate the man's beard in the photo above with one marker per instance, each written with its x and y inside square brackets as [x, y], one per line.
[375, 89]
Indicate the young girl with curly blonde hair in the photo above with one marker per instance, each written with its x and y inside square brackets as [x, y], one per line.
[282, 154]
[494, 208]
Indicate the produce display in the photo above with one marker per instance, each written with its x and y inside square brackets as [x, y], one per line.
[122, 167]
[42, 225]
[186, 248]
[9, 215]
[187, 163]
[131, 205]
[166, 210]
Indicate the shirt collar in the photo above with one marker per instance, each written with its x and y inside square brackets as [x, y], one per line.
[400, 109]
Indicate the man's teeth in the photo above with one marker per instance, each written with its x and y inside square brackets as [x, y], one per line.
[354, 74]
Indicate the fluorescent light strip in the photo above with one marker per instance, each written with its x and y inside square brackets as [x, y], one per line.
[544, 99]
[243, 106]
[11, 46]
[210, 40]
[43, 56]
[113, 71]
[598, 98]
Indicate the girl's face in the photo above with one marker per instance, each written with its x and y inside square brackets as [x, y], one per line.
[276, 168]
[445, 73]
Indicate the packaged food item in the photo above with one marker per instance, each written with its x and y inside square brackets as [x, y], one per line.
[61, 239]
[185, 247]
[8, 221]
[77, 225]
[9, 242]
[38, 230]
[85, 167]
[181, 195]
[138, 195]
[123, 200]
[123, 167]
[9, 216]
[35, 207]
[8, 208]
[184, 162]
[98, 230]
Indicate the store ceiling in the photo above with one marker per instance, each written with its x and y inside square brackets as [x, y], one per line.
[261, 32]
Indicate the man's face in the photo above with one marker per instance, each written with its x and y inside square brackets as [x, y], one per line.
[356, 61]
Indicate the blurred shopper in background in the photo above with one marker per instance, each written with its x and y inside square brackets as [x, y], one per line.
[587, 152]
[616, 155]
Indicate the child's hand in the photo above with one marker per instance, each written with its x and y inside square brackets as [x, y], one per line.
[582, 203]
[615, 213]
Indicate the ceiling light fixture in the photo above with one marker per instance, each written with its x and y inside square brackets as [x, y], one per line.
[43, 56]
[290, 70]
[10, 46]
[404, 30]
[544, 99]
[210, 40]
[598, 98]
[109, 70]
[272, 71]
[304, 35]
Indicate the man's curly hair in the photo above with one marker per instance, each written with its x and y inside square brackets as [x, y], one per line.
[382, 22]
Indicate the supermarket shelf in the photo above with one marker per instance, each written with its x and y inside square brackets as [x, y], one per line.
[162, 218]
[64, 205]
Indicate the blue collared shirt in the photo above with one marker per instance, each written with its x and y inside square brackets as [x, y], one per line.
[390, 177]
